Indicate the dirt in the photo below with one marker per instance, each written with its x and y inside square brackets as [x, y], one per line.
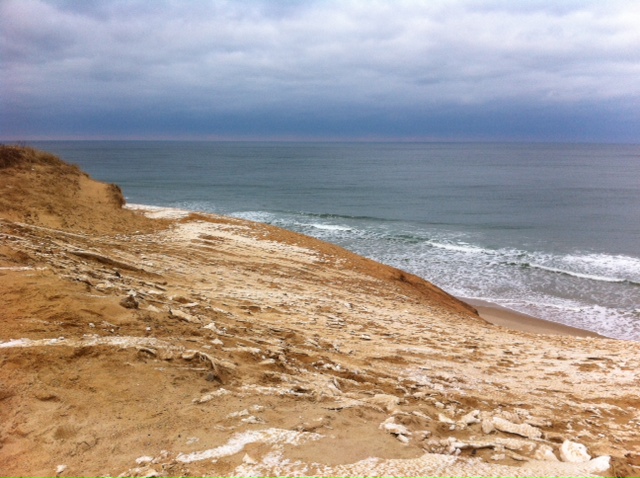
[164, 343]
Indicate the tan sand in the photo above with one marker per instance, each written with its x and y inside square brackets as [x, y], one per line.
[200, 345]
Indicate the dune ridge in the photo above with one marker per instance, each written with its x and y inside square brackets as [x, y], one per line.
[134, 343]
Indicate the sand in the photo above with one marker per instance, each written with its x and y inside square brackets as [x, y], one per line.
[196, 345]
[515, 320]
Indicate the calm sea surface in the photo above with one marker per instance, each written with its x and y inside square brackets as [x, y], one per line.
[552, 230]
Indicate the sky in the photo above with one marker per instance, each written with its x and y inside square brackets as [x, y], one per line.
[387, 70]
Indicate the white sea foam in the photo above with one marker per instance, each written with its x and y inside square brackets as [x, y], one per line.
[256, 216]
[618, 265]
[577, 274]
[461, 247]
[330, 227]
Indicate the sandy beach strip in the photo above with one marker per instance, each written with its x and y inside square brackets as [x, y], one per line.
[511, 319]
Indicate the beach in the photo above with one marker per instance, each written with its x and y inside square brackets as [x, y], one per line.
[514, 320]
[149, 342]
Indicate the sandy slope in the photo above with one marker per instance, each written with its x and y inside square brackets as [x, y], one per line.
[206, 345]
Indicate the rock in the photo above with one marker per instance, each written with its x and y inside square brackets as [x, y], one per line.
[400, 431]
[601, 464]
[144, 459]
[102, 286]
[419, 414]
[129, 302]
[470, 418]
[442, 418]
[61, 469]
[85, 278]
[148, 472]
[487, 426]
[212, 326]
[447, 446]
[384, 401]
[522, 429]
[178, 314]
[248, 460]
[241, 413]
[252, 420]
[545, 453]
[573, 452]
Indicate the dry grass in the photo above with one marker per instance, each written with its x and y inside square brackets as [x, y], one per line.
[12, 156]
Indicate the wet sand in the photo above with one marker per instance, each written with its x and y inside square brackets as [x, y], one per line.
[511, 319]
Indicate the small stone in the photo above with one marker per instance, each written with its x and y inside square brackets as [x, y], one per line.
[248, 460]
[148, 472]
[129, 302]
[522, 429]
[212, 326]
[390, 426]
[252, 420]
[545, 453]
[61, 469]
[487, 426]
[144, 459]
[573, 452]
[102, 286]
[470, 418]
[601, 464]
[241, 413]
[178, 314]
[445, 419]
[385, 401]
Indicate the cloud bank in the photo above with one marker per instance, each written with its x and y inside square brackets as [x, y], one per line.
[539, 70]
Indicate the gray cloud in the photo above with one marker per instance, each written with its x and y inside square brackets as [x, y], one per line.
[270, 67]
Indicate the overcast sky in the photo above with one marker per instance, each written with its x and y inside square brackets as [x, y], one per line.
[546, 70]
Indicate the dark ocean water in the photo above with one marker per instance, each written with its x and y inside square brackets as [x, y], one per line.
[552, 230]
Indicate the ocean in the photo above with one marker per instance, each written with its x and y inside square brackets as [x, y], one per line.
[551, 230]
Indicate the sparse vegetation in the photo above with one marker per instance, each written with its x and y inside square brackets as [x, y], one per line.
[12, 155]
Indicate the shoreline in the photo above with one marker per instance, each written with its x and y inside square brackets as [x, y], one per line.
[514, 320]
